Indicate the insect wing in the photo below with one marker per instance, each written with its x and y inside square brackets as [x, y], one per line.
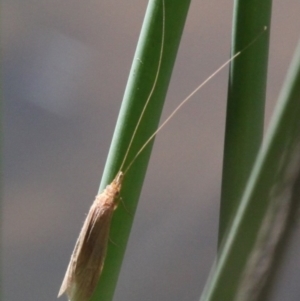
[88, 257]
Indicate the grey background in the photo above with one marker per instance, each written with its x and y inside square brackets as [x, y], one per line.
[65, 65]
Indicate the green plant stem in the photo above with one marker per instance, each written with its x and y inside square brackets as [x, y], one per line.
[290, 108]
[272, 181]
[140, 82]
[246, 102]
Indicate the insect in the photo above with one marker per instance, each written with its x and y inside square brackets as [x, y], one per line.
[88, 257]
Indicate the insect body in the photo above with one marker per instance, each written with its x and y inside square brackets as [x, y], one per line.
[88, 257]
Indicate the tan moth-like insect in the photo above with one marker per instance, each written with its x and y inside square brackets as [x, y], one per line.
[87, 259]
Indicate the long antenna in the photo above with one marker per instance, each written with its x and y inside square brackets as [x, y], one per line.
[177, 109]
[189, 97]
[153, 86]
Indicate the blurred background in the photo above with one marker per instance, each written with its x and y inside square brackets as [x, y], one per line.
[65, 66]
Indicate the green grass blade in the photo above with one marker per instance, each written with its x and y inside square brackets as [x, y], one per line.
[272, 183]
[246, 102]
[290, 189]
[140, 82]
